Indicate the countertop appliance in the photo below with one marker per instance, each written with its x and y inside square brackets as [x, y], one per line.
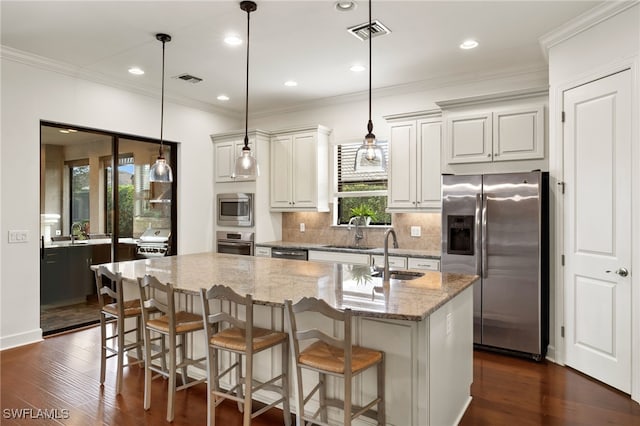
[295, 254]
[232, 242]
[154, 242]
[496, 226]
[235, 209]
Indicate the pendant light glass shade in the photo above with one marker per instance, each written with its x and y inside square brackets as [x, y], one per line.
[161, 171]
[370, 156]
[246, 166]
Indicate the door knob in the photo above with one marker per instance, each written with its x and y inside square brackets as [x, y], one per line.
[623, 272]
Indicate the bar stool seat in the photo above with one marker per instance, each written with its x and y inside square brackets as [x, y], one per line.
[234, 339]
[131, 308]
[322, 356]
[185, 323]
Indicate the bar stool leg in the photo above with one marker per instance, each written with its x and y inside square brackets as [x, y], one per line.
[103, 347]
[286, 410]
[248, 391]
[171, 394]
[120, 356]
[240, 391]
[323, 396]
[381, 392]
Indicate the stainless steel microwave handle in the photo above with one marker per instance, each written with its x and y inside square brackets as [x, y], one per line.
[476, 234]
[485, 255]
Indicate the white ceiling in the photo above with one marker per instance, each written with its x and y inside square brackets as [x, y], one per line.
[304, 41]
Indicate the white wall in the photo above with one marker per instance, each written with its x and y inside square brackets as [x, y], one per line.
[31, 94]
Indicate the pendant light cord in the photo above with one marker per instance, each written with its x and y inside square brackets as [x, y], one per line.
[162, 103]
[370, 37]
[246, 98]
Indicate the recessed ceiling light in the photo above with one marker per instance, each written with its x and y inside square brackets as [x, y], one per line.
[136, 71]
[223, 98]
[233, 40]
[63, 131]
[357, 68]
[290, 83]
[345, 6]
[469, 44]
[72, 130]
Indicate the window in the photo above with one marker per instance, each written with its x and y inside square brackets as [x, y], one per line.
[80, 211]
[359, 189]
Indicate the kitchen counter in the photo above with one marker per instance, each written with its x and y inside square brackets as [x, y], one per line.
[271, 281]
[89, 242]
[424, 325]
[427, 254]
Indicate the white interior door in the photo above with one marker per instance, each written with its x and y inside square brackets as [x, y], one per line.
[597, 223]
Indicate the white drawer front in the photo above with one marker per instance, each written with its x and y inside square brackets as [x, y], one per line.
[428, 264]
[395, 262]
[339, 257]
[262, 251]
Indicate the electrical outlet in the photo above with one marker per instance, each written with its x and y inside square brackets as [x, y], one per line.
[416, 231]
[448, 324]
[18, 236]
[302, 227]
[58, 232]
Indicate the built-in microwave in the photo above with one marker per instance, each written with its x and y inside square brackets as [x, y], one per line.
[235, 209]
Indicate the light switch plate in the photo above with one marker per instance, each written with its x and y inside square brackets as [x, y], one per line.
[16, 236]
[416, 231]
[302, 227]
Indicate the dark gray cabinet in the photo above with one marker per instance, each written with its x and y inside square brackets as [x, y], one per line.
[65, 274]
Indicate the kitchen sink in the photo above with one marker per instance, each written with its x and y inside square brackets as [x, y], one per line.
[400, 275]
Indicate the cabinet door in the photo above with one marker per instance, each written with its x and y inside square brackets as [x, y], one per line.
[224, 156]
[430, 141]
[281, 167]
[305, 175]
[402, 165]
[518, 133]
[469, 138]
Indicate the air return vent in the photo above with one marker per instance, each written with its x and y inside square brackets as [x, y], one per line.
[188, 78]
[362, 31]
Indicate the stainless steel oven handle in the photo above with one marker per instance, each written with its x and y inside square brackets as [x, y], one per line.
[476, 234]
[287, 253]
[485, 255]
[233, 244]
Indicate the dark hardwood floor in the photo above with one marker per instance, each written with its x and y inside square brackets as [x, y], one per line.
[61, 374]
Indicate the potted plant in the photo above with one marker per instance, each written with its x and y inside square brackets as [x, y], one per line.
[364, 214]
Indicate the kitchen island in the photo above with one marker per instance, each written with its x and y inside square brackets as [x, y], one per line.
[424, 325]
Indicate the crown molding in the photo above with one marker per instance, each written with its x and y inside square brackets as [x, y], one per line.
[429, 113]
[495, 97]
[73, 71]
[582, 23]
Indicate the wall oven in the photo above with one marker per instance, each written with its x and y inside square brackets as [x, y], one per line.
[235, 209]
[235, 242]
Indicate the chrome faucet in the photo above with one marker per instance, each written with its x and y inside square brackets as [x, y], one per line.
[358, 234]
[385, 273]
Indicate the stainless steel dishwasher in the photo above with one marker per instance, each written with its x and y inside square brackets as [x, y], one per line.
[289, 253]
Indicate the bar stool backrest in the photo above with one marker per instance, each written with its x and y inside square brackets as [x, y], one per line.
[114, 291]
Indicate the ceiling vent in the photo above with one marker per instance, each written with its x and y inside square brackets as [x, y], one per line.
[362, 31]
[188, 78]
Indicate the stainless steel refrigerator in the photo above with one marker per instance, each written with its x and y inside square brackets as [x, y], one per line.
[496, 226]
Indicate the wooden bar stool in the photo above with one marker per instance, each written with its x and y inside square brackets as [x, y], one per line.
[174, 326]
[329, 355]
[225, 331]
[114, 311]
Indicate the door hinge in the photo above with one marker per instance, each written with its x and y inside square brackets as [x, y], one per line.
[562, 116]
[562, 331]
[562, 259]
[561, 185]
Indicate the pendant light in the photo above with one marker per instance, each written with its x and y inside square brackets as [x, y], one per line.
[246, 165]
[161, 171]
[370, 157]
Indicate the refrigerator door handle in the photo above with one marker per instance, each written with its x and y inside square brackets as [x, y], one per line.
[476, 235]
[484, 254]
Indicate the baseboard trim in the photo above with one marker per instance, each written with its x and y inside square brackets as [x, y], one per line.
[20, 339]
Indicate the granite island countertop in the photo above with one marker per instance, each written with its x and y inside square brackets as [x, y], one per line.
[427, 254]
[271, 281]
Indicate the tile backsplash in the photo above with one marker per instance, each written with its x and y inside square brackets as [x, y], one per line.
[319, 229]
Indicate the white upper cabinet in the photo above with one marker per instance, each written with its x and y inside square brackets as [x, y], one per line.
[495, 128]
[414, 161]
[300, 169]
[226, 148]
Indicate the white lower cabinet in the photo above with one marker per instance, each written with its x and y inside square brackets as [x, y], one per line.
[395, 262]
[339, 257]
[262, 252]
[422, 263]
